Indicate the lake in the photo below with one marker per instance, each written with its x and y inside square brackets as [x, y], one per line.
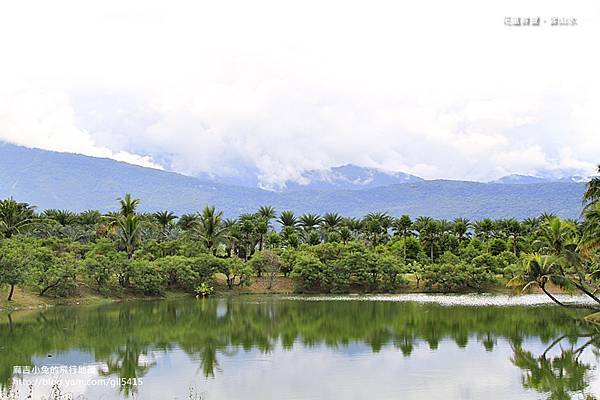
[349, 347]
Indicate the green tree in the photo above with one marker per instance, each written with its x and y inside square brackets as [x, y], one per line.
[15, 217]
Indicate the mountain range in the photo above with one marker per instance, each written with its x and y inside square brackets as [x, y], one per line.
[69, 181]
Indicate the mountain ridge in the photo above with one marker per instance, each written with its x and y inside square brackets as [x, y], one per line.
[77, 182]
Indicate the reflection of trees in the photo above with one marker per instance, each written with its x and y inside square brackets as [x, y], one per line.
[126, 363]
[120, 335]
[559, 376]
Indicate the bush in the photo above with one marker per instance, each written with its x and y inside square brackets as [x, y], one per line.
[456, 277]
[148, 277]
[307, 271]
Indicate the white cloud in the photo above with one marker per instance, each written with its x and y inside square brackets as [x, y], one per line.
[437, 89]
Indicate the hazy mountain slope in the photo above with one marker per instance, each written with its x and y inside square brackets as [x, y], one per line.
[351, 177]
[61, 180]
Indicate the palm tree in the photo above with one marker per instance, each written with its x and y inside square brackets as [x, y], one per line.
[267, 212]
[514, 232]
[484, 229]
[288, 219]
[331, 222]
[460, 228]
[164, 219]
[128, 205]
[531, 225]
[129, 232]
[14, 217]
[429, 231]
[89, 217]
[187, 221]
[63, 217]
[376, 226]
[310, 221]
[590, 242]
[210, 228]
[403, 226]
[541, 270]
[554, 235]
[355, 225]
[592, 193]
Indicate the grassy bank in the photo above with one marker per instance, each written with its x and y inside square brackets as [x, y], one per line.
[24, 299]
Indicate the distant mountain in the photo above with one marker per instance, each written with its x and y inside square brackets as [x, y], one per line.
[69, 181]
[350, 177]
[517, 179]
[347, 176]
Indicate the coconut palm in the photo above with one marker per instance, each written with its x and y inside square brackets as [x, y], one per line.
[554, 235]
[129, 231]
[592, 193]
[210, 228]
[540, 270]
[14, 217]
[128, 205]
[590, 242]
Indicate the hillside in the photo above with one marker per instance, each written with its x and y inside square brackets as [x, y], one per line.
[60, 180]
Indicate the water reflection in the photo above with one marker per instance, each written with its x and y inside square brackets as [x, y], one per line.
[220, 337]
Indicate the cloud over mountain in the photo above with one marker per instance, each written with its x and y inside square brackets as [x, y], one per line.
[275, 90]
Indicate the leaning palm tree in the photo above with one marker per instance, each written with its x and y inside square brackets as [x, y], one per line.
[210, 228]
[14, 217]
[540, 270]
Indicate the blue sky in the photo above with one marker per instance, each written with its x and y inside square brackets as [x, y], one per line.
[437, 89]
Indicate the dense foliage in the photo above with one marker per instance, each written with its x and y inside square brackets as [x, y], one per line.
[56, 251]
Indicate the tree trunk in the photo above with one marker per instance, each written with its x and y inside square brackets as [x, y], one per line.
[554, 299]
[12, 290]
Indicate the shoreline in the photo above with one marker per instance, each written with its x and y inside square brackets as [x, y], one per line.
[25, 300]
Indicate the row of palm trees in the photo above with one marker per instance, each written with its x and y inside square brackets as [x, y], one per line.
[242, 236]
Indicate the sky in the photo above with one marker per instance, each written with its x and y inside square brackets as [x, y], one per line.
[433, 88]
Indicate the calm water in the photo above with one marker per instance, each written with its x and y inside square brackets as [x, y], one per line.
[296, 348]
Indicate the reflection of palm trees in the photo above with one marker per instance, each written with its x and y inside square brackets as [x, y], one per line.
[560, 376]
[126, 363]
